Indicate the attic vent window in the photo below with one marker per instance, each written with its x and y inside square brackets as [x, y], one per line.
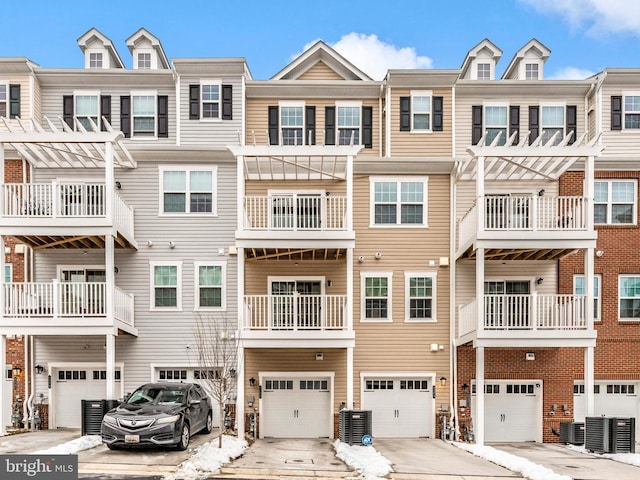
[144, 61]
[95, 60]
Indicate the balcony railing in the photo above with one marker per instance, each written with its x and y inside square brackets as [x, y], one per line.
[524, 213]
[295, 312]
[295, 212]
[65, 299]
[64, 201]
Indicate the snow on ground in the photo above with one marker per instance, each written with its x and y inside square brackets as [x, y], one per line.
[629, 458]
[74, 446]
[208, 458]
[526, 468]
[367, 460]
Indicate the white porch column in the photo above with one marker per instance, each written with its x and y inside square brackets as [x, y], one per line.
[349, 378]
[2, 177]
[240, 400]
[479, 289]
[109, 181]
[349, 312]
[480, 210]
[109, 264]
[478, 415]
[2, 282]
[349, 174]
[111, 366]
[3, 385]
[589, 374]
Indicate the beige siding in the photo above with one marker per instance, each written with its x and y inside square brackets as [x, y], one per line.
[25, 93]
[420, 144]
[262, 188]
[619, 143]
[257, 274]
[320, 71]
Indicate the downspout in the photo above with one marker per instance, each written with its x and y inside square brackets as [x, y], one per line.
[387, 123]
[32, 393]
[380, 115]
[27, 366]
[452, 273]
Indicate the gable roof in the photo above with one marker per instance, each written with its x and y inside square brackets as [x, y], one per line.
[143, 33]
[94, 33]
[485, 44]
[533, 46]
[320, 52]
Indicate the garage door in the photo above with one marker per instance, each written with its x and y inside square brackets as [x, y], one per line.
[513, 411]
[73, 385]
[400, 407]
[611, 399]
[294, 407]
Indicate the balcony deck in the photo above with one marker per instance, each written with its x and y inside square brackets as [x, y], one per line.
[74, 308]
[65, 215]
[526, 320]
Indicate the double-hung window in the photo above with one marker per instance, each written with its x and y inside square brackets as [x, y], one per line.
[292, 123]
[615, 202]
[629, 297]
[143, 114]
[87, 110]
[632, 111]
[531, 71]
[348, 122]
[484, 71]
[552, 122]
[210, 92]
[376, 296]
[399, 201]
[210, 286]
[166, 288]
[495, 123]
[420, 296]
[188, 190]
[8, 272]
[144, 61]
[95, 60]
[579, 289]
[4, 99]
[421, 111]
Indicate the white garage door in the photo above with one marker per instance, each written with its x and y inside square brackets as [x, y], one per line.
[73, 385]
[611, 399]
[296, 407]
[513, 411]
[400, 407]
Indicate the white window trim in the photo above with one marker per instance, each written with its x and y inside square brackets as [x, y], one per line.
[8, 266]
[630, 93]
[88, 93]
[6, 100]
[223, 286]
[542, 105]
[398, 179]
[483, 61]
[152, 285]
[609, 201]
[211, 81]
[292, 103]
[598, 318]
[295, 278]
[357, 104]
[407, 307]
[620, 319]
[188, 168]
[145, 93]
[148, 51]
[422, 93]
[489, 103]
[527, 61]
[389, 277]
[101, 51]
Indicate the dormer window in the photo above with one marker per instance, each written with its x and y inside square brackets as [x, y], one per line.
[532, 71]
[144, 61]
[95, 60]
[484, 71]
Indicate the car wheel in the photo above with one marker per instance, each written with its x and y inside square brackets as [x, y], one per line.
[208, 426]
[184, 437]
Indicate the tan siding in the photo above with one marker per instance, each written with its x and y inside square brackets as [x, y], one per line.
[25, 93]
[262, 188]
[257, 274]
[320, 71]
[619, 143]
[417, 144]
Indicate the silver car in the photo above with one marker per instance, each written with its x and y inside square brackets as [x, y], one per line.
[158, 414]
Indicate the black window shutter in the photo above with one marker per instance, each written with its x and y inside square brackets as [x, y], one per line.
[405, 114]
[438, 114]
[310, 125]
[572, 122]
[329, 125]
[514, 122]
[194, 102]
[476, 121]
[125, 115]
[67, 109]
[274, 122]
[534, 123]
[616, 112]
[105, 110]
[163, 116]
[227, 102]
[367, 127]
[14, 101]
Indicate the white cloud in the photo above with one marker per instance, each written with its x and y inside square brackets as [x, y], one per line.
[599, 17]
[571, 73]
[375, 57]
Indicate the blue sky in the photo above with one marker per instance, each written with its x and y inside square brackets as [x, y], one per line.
[584, 36]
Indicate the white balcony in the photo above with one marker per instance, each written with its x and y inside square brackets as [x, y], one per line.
[549, 222]
[82, 306]
[295, 312]
[525, 318]
[57, 205]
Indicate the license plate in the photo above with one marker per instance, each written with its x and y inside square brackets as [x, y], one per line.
[132, 439]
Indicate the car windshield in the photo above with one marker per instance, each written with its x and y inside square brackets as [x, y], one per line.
[157, 395]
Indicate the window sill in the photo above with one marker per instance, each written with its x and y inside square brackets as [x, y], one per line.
[398, 225]
[420, 320]
[376, 320]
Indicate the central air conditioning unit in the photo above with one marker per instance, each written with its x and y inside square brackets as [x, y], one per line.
[572, 433]
[354, 425]
[610, 435]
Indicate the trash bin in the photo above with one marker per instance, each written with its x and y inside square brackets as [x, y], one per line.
[92, 413]
[354, 425]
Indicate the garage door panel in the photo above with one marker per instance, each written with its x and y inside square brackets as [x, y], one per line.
[611, 399]
[71, 387]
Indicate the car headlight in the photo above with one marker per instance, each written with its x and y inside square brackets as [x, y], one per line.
[172, 419]
[108, 419]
